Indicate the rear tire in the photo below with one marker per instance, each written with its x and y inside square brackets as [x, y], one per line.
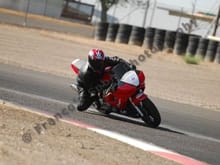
[151, 114]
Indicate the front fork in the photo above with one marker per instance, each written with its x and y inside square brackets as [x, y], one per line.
[136, 107]
[138, 100]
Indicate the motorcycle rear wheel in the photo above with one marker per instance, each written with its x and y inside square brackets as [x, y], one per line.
[151, 114]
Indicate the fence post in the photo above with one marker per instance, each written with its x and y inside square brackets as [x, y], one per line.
[26, 13]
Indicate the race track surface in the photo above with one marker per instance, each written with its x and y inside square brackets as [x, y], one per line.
[185, 129]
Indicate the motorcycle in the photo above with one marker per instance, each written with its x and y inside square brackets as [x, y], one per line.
[122, 92]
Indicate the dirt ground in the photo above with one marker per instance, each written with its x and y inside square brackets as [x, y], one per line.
[61, 144]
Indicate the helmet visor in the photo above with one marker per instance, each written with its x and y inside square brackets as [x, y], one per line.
[97, 65]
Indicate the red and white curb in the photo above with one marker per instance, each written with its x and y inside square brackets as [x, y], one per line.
[141, 145]
[185, 160]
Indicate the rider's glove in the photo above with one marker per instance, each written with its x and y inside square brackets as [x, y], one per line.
[99, 88]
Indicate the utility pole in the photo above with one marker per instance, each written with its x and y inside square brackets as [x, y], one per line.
[45, 7]
[26, 13]
[153, 12]
[192, 18]
[145, 13]
[210, 27]
[179, 21]
[216, 22]
[129, 12]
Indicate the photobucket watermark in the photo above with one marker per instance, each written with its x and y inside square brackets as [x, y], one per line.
[41, 127]
[142, 57]
[188, 26]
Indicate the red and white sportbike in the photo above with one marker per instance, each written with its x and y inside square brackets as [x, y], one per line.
[122, 92]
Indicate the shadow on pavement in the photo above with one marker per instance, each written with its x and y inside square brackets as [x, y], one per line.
[133, 121]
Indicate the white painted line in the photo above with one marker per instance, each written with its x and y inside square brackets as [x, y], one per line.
[149, 147]
[32, 95]
[199, 136]
[131, 141]
[125, 139]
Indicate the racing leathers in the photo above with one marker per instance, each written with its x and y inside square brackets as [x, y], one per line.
[89, 79]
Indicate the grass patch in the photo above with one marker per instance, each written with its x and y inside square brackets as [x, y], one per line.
[192, 59]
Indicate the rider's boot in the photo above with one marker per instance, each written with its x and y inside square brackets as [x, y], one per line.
[84, 101]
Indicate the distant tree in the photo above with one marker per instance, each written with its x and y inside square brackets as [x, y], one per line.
[107, 4]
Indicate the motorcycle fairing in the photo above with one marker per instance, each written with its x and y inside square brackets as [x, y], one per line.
[139, 97]
[77, 64]
[131, 78]
[120, 97]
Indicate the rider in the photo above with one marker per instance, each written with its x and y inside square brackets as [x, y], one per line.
[91, 73]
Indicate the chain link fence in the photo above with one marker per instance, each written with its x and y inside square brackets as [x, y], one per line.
[52, 8]
[56, 15]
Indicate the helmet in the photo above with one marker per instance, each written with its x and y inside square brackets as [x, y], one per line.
[96, 59]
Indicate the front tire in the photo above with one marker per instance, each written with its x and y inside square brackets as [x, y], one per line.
[151, 114]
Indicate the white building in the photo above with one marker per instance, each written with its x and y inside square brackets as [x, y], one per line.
[156, 17]
[120, 13]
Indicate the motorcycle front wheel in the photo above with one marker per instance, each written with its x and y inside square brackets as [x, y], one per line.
[151, 114]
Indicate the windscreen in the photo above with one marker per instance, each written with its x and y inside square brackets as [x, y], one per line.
[119, 70]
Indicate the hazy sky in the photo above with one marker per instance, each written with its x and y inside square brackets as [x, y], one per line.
[204, 5]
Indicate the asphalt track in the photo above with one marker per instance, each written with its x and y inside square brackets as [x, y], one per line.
[185, 129]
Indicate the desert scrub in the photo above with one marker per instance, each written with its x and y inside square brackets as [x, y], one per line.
[189, 59]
